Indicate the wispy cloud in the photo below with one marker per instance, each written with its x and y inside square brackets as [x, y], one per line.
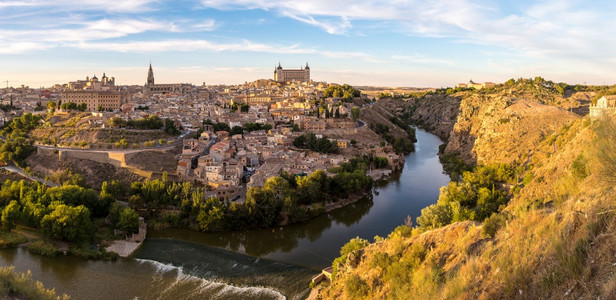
[569, 28]
[206, 25]
[132, 6]
[420, 59]
[185, 45]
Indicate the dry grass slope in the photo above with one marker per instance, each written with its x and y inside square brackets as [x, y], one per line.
[559, 240]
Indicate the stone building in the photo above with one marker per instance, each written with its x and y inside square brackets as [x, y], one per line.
[475, 85]
[287, 75]
[108, 100]
[93, 84]
[153, 88]
[606, 105]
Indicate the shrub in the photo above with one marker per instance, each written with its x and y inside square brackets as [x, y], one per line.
[44, 248]
[87, 251]
[21, 286]
[11, 239]
[492, 224]
[356, 287]
[579, 167]
[354, 244]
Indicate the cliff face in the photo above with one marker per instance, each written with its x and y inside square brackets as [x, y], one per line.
[484, 127]
[436, 113]
[497, 128]
[558, 232]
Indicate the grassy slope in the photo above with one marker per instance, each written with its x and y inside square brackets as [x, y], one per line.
[559, 242]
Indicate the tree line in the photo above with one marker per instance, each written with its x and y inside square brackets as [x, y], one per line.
[290, 197]
[344, 91]
[65, 212]
[310, 141]
[151, 122]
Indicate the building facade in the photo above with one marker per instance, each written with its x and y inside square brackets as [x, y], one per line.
[286, 75]
[105, 83]
[107, 100]
[606, 105]
[153, 88]
[476, 85]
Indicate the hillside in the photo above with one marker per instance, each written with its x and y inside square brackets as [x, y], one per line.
[554, 238]
[85, 130]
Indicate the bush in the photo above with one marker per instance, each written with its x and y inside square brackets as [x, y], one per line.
[42, 247]
[579, 167]
[354, 244]
[21, 286]
[492, 224]
[87, 251]
[453, 165]
[356, 287]
[11, 239]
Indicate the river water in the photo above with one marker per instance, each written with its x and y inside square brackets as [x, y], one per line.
[256, 264]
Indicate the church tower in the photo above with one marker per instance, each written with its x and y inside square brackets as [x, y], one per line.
[150, 76]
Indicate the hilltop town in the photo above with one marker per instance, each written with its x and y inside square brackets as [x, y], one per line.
[228, 138]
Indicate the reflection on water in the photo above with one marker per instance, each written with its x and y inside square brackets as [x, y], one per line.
[316, 243]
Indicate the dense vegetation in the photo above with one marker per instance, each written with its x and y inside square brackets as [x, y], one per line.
[150, 122]
[310, 141]
[243, 107]
[288, 198]
[74, 106]
[69, 212]
[237, 129]
[15, 145]
[542, 227]
[344, 91]
[475, 197]
[15, 285]
[250, 127]
[401, 145]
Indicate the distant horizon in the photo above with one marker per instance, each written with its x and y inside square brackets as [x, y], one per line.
[369, 43]
[120, 82]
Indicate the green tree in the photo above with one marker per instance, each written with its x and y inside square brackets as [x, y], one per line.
[128, 221]
[355, 113]
[10, 214]
[67, 223]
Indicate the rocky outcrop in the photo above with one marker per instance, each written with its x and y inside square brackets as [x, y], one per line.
[496, 128]
[483, 128]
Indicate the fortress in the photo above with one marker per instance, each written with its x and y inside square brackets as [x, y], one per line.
[286, 75]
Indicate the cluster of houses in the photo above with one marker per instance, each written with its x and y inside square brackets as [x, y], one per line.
[230, 164]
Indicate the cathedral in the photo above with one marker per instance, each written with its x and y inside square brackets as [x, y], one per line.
[151, 87]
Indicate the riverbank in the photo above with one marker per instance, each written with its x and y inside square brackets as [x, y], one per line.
[127, 247]
[274, 252]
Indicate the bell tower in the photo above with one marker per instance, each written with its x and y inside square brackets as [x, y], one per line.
[150, 80]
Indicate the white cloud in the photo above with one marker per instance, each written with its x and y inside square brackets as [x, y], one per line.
[571, 29]
[83, 31]
[185, 45]
[128, 6]
[206, 25]
[14, 4]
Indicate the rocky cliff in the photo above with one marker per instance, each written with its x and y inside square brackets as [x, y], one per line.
[554, 239]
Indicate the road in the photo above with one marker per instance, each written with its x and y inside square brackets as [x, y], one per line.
[17, 170]
[106, 151]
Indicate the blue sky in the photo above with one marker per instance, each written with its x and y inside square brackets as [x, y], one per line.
[388, 43]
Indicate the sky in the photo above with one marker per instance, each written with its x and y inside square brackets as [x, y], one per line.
[403, 43]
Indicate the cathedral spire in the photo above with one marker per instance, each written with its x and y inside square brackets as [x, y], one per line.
[150, 80]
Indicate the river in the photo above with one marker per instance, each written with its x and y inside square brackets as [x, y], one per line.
[257, 264]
